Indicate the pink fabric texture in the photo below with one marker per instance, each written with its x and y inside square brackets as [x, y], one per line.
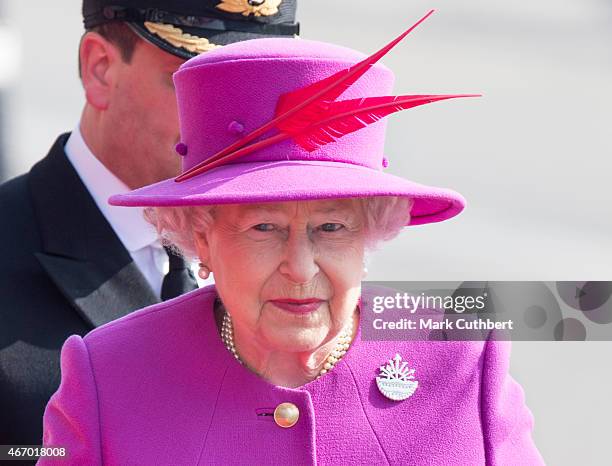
[229, 92]
[158, 387]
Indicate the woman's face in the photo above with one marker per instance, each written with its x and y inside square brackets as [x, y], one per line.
[288, 273]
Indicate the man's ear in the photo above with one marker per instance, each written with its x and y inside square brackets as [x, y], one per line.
[99, 61]
[203, 247]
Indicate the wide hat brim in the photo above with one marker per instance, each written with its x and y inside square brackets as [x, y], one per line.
[295, 180]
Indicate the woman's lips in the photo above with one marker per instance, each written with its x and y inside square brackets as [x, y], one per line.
[298, 305]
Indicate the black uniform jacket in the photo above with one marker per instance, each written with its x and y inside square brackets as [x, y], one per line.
[63, 271]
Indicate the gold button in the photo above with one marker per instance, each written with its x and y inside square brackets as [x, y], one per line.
[286, 415]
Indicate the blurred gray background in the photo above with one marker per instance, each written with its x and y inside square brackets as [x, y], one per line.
[532, 156]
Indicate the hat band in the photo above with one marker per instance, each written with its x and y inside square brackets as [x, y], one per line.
[154, 15]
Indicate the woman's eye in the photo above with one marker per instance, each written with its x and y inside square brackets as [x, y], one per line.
[264, 227]
[331, 227]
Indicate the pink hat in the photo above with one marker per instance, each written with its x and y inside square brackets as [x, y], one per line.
[273, 120]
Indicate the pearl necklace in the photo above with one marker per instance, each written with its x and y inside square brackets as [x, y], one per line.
[342, 346]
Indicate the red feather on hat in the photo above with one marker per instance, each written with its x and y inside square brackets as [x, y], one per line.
[347, 116]
[313, 117]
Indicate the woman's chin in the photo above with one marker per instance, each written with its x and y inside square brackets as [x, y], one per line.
[296, 340]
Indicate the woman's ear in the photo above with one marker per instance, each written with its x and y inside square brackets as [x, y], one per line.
[99, 61]
[200, 240]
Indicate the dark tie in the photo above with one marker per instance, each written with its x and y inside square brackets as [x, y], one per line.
[179, 279]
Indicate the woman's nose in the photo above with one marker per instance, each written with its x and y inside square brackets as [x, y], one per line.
[299, 264]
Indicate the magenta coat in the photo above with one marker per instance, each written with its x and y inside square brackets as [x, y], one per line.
[158, 387]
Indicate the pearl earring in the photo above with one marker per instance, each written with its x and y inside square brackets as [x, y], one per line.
[365, 271]
[204, 271]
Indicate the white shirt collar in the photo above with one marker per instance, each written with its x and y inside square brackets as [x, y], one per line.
[128, 222]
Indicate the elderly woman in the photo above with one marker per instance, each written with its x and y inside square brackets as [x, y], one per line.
[282, 192]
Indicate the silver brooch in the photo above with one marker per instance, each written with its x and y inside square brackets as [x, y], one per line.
[396, 380]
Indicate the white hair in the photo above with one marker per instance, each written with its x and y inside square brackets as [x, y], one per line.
[384, 218]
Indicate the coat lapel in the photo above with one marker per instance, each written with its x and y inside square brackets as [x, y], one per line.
[80, 251]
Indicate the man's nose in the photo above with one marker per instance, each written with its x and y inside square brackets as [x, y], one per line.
[299, 263]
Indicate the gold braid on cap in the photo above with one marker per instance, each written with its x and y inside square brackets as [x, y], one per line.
[265, 8]
[178, 38]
